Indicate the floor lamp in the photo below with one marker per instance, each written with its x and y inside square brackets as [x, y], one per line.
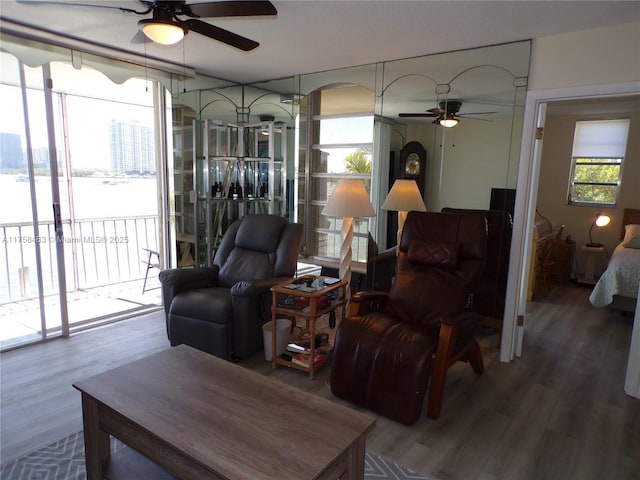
[404, 197]
[349, 199]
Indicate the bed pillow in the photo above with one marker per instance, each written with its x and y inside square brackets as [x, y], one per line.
[631, 236]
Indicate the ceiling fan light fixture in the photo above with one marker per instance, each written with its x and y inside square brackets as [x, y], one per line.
[162, 31]
[449, 122]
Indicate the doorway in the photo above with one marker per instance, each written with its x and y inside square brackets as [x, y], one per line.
[528, 180]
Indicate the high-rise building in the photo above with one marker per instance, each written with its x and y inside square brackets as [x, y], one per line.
[11, 154]
[132, 149]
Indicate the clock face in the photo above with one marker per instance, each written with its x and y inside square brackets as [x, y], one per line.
[412, 165]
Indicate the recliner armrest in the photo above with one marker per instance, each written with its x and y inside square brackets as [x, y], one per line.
[460, 317]
[248, 288]
[364, 302]
[178, 280]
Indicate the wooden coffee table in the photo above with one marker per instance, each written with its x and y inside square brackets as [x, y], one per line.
[201, 417]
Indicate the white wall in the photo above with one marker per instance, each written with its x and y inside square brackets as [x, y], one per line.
[593, 57]
[477, 156]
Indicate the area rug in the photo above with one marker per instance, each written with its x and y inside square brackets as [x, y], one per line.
[64, 460]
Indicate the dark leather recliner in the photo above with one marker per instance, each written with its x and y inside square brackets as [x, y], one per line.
[221, 309]
[391, 343]
[381, 267]
[490, 293]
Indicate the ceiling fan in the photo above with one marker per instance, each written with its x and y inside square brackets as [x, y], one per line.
[167, 27]
[446, 114]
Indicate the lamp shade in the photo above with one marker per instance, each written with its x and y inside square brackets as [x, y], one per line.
[602, 220]
[163, 32]
[404, 196]
[599, 221]
[449, 121]
[349, 199]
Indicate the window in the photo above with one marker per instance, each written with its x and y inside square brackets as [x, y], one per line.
[596, 167]
[340, 146]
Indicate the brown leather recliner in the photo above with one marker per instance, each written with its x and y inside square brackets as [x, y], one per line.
[384, 350]
[221, 309]
[490, 293]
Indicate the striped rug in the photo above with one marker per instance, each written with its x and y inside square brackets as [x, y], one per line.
[64, 460]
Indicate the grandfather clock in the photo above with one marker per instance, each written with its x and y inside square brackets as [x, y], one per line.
[413, 164]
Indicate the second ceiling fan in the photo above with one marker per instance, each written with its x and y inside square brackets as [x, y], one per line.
[447, 113]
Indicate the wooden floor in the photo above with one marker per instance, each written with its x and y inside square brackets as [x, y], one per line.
[558, 412]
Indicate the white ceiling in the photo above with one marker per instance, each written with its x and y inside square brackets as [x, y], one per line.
[311, 36]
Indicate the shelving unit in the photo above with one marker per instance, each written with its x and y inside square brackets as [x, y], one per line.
[313, 306]
[242, 173]
[221, 173]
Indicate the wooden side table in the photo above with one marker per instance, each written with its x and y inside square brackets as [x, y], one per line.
[562, 268]
[308, 303]
[592, 255]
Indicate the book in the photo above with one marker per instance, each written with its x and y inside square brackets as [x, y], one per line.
[295, 348]
[305, 359]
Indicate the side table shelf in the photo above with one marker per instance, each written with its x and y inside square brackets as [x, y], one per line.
[310, 304]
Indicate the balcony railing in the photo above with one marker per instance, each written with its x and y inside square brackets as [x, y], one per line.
[97, 252]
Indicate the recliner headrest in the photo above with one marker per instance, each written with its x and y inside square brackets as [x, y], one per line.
[433, 254]
[260, 232]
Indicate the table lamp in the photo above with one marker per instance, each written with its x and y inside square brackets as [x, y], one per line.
[599, 221]
[404, 197]
[349, 199]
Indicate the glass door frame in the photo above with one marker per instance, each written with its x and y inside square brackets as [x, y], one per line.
[55, 197]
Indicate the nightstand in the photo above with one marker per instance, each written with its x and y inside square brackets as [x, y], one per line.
[592, 254]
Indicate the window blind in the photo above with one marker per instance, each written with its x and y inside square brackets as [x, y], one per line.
[600, 138]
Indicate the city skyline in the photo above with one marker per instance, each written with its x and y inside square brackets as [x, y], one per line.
[131, 151]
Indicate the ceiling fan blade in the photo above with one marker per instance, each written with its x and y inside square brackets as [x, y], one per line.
[418, 115]
[231, 9]
[221, 35]
[474, 118]
[474, 113]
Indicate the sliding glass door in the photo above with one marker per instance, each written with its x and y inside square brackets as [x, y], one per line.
[80, 199]
[31, 258]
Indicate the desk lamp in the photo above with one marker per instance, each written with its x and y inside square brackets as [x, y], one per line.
[349, 199]
[599, 221]
[404, 197]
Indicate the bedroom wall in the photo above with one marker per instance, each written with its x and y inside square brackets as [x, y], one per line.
[554, 180]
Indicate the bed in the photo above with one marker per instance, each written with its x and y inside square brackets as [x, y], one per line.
[618, 285]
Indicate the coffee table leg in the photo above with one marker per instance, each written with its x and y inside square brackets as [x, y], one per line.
[97, 448]
[355, 460]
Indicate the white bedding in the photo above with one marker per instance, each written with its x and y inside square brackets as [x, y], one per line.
[621, 277]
